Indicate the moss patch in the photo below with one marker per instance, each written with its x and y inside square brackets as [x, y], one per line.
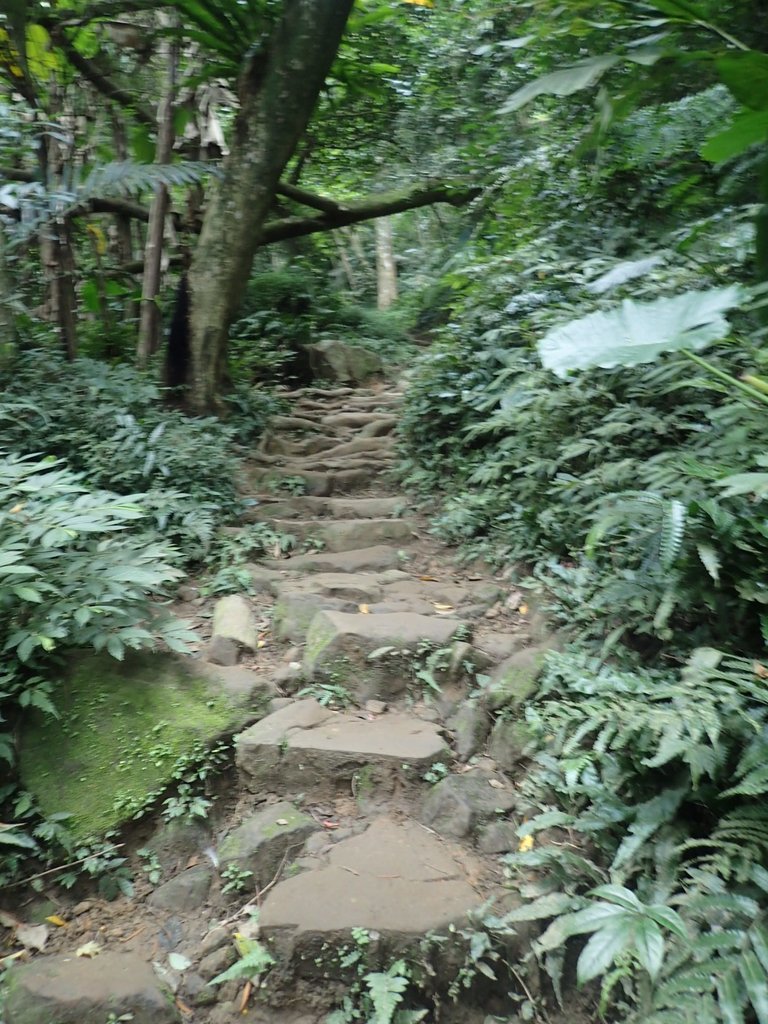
[123, 728]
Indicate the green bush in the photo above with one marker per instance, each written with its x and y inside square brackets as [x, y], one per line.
[110, 424]
[73, 576]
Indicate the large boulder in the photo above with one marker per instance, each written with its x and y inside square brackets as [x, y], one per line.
[128, 722]
[338, 361]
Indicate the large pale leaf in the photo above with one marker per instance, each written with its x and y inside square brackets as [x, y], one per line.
[602, 949]
[638, 332]
[562, 83]
[747, 128]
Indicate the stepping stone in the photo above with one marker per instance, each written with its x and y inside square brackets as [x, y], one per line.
[339, 644]
[359, 446]
[294, 612]
[306, 744]
[348, 534]
[378, 557]
[457, 804]
[362, 588]
[260, 843]
[69, 989]
[365, 508]
[395, 880]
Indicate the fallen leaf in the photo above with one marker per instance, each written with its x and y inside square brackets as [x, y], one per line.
[523, 609]
[443, 607]
[181, 1005]
[526, 844]
[179, 962]
[514, 601]
[760, 670]
[58, 921]
[429, 579]
[260, 644]
[246, 995]
[496, 784]
[89, 949]
[33, 936]
[363, 609]
[330, 824]
[8, 920]
[17, 508]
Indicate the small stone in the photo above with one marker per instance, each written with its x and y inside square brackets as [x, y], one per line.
[292, 654]
[222, 651]
[82, 907]
[510, 742]
[233, 618]
[185, 892]
[187, 593]
[217, 961]
[498, 837]
[215, 939]
[471, 725]
[376, 707]
[459, 803]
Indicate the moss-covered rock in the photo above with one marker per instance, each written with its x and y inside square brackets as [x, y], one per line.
[123, 728]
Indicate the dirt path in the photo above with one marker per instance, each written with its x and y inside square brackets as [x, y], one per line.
[372, 804]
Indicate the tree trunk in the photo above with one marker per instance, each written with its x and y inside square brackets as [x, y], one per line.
[149, 324]
[386, 269]
[278, 92]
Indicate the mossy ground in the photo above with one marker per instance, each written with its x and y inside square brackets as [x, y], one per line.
[123, 728]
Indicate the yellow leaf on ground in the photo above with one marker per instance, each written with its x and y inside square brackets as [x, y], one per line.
[55, 919]
[89, 949]
[526, 844]
[523, 609]
[364, 609]
[443, 607]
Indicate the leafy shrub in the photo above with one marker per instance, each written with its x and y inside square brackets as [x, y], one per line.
[660, 781]
[71, 576]
[109, 424]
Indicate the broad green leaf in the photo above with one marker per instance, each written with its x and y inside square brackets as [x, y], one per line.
[649, 945]
[747, 128]
[639, 332]
[744, 483]
[550, 905]
[670, 919]
[619, 895]
[562, 83]
[592, 918]
[603, 948]
[746, 75]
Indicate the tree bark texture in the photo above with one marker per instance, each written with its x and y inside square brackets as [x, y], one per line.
[150, 322]
[278, 92]
[386, 269]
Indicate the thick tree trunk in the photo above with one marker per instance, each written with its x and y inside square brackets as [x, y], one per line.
[278, 93]
[386, 269]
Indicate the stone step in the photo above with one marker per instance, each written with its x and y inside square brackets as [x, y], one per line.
[395, 880]
[347, 534]
[307, 745]
[316, 483]
[375, 656]
[302, 506]
[373, 559]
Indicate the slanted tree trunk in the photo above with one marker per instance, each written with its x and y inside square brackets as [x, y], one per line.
[386, 269]
[149, 324]
[278, 92]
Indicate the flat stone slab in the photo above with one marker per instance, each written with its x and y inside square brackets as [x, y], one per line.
[339, 645]
[347, 534]
[307, 744]
[233, 618]
[380, 556]
[76, 990]
[362, 588]
[395, 878]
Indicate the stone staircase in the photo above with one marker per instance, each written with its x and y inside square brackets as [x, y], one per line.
[377, 795]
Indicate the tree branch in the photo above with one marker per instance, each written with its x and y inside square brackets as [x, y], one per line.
[381, 205]
[102, 83]
[300, 195]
